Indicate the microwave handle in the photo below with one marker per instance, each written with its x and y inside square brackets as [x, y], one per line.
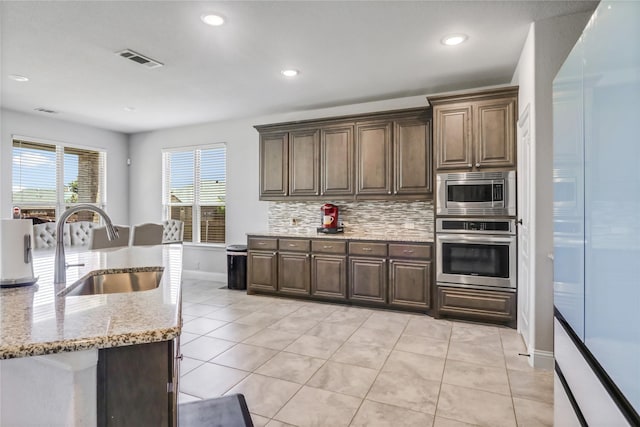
[475, 239]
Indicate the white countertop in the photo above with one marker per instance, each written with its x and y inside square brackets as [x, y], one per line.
[34, 321]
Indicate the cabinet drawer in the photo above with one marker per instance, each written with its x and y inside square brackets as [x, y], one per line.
[409, 251]
[368, 249]
[478, 304]
[329, 246]
[263, 243]
[294, 245]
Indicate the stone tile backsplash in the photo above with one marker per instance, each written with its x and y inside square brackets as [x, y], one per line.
[360, 217]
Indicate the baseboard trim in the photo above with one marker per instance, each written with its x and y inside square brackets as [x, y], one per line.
[204, 275]
[542, 359]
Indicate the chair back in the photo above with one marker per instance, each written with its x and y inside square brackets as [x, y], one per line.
[99, 239]
[173, 231]
[147, 234]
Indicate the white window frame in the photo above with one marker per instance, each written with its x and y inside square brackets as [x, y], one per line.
[196, 206]
[60, 204]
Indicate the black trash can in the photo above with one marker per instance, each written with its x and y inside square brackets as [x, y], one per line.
[237, 266]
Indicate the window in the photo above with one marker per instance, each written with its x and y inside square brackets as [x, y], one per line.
[194, 191]
[48, 178]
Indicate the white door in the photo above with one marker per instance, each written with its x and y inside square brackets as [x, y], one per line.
[525, 194]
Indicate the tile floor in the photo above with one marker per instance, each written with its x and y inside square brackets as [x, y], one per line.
[311, 364]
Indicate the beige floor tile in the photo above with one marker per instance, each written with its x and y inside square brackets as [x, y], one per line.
[535, 385]
[387, 321]
[512, 342]
[530, 413]
[280, 309]
[473, 353]
[361, 355]
[245, 357]
[517, 362]
[202, 325]
[475, 406]
[346, 379]
[198, 309]
[414, 365]
[188, 364]
[423, 345]
[210, 380]
[309, 345]
[374, 414]
[294, 325]
[271, 338]
[478, 335]
[228, 314]
[259, 421]
[186, 398]
[312, 407]
[375, 337]
[332, 330]
[276, 423]
[186, 337]
[407, 392]
[476, 376]
[445, 422]
[205, 348]
[264, 395]
[314, 311]
[259, 318]
[428, 327]
[348, 317]
[235, 332]
[291, 367]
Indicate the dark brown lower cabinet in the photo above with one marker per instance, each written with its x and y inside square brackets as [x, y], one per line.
[137, 386]
[294, 273]
[410, 283]
[489, 306]
[329, 276]
[262, 271]
[368, 279]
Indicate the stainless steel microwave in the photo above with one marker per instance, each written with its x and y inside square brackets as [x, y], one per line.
[476, 193]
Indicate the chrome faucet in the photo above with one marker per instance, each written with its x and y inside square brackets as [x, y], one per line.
[60, 267]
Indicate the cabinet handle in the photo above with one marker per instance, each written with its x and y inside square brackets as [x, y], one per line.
[478, 164]
[275, 253]
[180, 357]
[306, 256]
[367, 249]
[261, 243]
[470, 165]
[292, 245]
[407, 251]
[389, 192]
[327, 247]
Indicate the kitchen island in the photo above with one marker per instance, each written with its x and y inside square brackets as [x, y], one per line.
[58, 350]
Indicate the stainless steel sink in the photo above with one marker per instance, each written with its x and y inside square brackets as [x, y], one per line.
[122, 280]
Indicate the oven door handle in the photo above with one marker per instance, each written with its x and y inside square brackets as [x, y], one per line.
[457, 238]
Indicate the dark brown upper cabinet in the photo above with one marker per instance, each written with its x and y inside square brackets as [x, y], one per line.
[370, 156]
[304, 168]
[475, 131]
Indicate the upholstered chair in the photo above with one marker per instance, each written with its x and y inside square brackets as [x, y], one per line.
[173, 231]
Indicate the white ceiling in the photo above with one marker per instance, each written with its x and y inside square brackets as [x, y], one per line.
[347, 52]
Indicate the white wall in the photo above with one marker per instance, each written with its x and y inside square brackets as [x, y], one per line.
[245, 213]
[53, 129]
[553, 39]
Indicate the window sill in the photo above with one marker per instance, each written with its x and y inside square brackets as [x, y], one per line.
[205, 245]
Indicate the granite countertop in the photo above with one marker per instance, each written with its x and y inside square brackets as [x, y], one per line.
[34, 321]
[395, 235]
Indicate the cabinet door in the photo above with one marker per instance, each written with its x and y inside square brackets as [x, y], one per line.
[368, 279]
[495, 139]
[373, 151]
[485, 306]
[452, 130]
[294, 275]
[135, 386]
[304, 176]
[329, 276]
[263, 271]
[336, 158]
[412, 157]
[410, 283]
[273, 164]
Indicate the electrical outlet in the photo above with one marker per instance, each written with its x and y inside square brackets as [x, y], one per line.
[409, 225]
[294, 221]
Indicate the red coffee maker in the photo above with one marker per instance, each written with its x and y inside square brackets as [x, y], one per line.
[329, 219]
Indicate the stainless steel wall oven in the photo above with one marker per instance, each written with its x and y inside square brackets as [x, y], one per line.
[478, 253]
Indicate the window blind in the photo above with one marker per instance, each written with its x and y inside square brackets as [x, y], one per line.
[49, 178]
[194, 191]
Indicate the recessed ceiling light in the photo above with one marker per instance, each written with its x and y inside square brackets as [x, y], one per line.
[290, 73]
[213, 20]
[454, 39]
[129, 109]
[18, 78]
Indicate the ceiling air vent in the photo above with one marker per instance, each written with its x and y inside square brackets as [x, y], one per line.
[45, 110]
[139, 59]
